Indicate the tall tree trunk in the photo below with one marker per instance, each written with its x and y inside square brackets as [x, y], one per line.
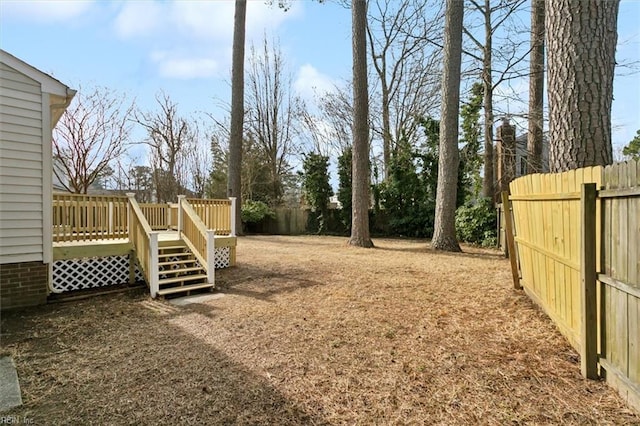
[487, 105]
[536, 88]
[444, 235]
[234, 184]
[360, 196]
[581, 39]
[386, 129]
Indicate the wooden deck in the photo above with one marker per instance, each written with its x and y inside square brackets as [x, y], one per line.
[120, 246]
[97, 238]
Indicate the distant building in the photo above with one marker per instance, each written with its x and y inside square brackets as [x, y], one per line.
[521, 154]
[511, 156]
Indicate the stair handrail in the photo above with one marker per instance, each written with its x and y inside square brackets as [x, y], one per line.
[199, 239]
[145, 243]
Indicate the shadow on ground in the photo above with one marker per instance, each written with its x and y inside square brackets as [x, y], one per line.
[113, 360]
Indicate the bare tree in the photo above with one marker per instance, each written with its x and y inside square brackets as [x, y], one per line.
[581, 37]
[406, 64]
[444, 235]
[92, 133]
[234, 177]
[536, 88]
[494, 16]
[336, 111]
[271, 113]
[199, 163]
[170, 139]
[360, 166]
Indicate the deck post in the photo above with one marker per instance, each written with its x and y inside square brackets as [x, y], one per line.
[154, 272]
[180, 224]
[234, 206]
[130, 196]
[211, 256]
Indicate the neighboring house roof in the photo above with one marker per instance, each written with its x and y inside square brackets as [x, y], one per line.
[61, 94]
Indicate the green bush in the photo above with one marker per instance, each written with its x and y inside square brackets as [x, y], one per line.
[476, 223]
[255, 211]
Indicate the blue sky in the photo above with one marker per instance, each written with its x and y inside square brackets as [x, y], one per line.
[184, 48]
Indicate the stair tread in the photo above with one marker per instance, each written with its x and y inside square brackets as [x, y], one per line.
[188, 253]
[184, 288]
[177, 262]
[191, 269]
[167, 248]
[173, 247]
[181, 278]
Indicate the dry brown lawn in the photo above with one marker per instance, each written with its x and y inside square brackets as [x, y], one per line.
[311, 331]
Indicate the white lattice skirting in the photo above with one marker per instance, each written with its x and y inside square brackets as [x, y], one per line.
[223, 257]
[92, 272]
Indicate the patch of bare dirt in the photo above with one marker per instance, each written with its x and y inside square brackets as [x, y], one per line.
[311, 331]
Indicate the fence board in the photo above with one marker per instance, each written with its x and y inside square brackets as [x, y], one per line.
[548, 229]
[547, 226]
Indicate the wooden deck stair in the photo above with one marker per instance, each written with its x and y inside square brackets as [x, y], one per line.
[179, 270]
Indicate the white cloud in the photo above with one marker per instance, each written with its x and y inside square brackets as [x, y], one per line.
[45, 11]
[311, 81]
[137, 19]
[198, 20]
[184, 68]
[194, 30]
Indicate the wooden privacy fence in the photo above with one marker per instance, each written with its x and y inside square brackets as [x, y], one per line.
[287, 221]
[78, 217]
[577, 238]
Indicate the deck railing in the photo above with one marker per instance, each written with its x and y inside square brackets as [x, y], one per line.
[195, 234]
[158, 215]
[78, 217]
[145, 241]
[218, 215]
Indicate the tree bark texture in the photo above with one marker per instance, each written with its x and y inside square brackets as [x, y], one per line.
[444, 236]
[360, 164]
[536, 88]
[581, 41]
[234, 183]
[487, 105]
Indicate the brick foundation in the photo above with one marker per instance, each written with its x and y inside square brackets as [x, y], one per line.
[23, 284]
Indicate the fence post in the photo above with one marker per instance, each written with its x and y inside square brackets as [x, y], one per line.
[211, 256]
[588, 335]
[233, 216]
[154, 272]
[180, 198]
[511, 244]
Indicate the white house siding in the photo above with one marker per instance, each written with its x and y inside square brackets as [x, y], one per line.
[21, 167]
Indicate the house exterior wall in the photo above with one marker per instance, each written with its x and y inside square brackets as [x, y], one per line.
[22, 165]
[23, 284]
[522, 154]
